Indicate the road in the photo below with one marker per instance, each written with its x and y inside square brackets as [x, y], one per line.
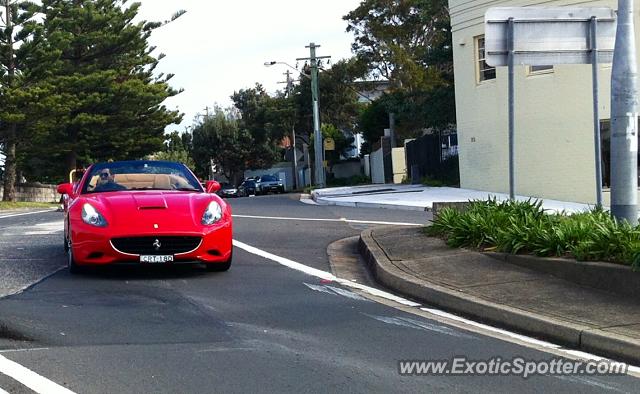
[260, 327]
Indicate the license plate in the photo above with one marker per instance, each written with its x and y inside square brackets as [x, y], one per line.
[156, 259]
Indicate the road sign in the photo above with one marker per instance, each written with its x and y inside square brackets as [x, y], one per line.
[546, 36]
[329, 144]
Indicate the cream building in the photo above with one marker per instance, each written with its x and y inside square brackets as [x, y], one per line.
[553, 114]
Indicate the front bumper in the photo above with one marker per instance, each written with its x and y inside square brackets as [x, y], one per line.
[93, 246]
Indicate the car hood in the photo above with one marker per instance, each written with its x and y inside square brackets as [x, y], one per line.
[153, 210]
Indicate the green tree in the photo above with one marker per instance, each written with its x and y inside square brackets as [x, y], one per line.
[219, 138]
[259, 121]
[337, 97]
[176, 148]
[408, 43]
[18, 25]
[104, 101]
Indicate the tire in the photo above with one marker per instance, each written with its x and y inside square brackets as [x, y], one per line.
[71, 262]
[220, 267]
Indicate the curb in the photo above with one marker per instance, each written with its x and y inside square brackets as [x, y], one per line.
[326, 201]
[579, 336]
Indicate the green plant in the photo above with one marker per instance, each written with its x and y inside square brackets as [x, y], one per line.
[525, 227]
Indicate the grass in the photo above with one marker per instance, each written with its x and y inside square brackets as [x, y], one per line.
[525, 227]
[4, 205]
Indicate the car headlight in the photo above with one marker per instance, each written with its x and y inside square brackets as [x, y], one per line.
[91, 216]
[212, 214]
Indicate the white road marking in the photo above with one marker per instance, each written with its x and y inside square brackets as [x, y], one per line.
[345, 220]
[24, 350]
[3, 392]
[416, 324]
[46, 228]
[513, 335]
[589, 382]
[32, 380]
[336, 291]
[535, 343]
[321, 274]
[26, 213]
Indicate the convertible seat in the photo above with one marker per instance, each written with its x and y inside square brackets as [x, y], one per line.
[132, 181]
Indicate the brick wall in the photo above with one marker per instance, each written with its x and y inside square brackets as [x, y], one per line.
[36, 193]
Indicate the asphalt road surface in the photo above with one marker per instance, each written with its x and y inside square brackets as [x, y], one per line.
[260, 327]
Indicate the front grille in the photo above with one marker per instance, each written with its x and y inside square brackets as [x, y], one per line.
[149, 246]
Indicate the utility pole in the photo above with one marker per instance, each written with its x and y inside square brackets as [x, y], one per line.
[624, 119]
[318, 142]
[289, 89]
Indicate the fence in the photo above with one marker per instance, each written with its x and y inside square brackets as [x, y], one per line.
[434, 156]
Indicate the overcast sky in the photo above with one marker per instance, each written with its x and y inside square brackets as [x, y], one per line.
[220, 46]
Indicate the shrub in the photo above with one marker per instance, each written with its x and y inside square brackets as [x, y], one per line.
[525, 227]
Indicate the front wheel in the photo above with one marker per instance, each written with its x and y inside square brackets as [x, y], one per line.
[71, 262]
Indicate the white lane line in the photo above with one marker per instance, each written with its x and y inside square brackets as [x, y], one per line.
[329, 220]
[35, 382]
[321, 274]
[536, 343]
[33, 349]
[26, 213]
[510, 334]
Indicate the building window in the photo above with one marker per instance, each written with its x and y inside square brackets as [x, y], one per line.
[485, 72]
[540, 69]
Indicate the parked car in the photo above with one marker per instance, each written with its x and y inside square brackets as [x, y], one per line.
[247, 188]
[228, 190]
[269, 183]
[143, 213]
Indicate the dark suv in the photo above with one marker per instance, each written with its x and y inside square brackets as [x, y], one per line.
[269, 183]
[247, 188]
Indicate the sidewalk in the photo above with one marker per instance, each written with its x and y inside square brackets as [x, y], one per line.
[495, 291]
[417, 197]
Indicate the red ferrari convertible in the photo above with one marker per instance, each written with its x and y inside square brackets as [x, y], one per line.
[145, 212]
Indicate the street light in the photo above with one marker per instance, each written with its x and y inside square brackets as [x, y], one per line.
[273, 63]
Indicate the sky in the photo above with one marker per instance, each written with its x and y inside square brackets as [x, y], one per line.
[220, 46]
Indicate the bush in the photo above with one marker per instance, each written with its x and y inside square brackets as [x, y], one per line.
[525, 227]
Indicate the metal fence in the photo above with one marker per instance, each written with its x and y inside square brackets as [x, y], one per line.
[434, 156]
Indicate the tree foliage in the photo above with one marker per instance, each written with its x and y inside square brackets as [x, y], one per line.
[17, 20]
[220, 138]
[103, 100]
[177, 147]
[338, 98]
[408, 43]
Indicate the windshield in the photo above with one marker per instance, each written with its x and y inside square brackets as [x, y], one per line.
[140, 175]
[269, 178]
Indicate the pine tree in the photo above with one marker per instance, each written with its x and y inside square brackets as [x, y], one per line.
[104, 101]
[15, 30]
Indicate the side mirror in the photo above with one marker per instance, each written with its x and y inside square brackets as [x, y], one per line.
[212, 186]
[65, 188]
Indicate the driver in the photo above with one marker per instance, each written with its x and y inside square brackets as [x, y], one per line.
[106, 182]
